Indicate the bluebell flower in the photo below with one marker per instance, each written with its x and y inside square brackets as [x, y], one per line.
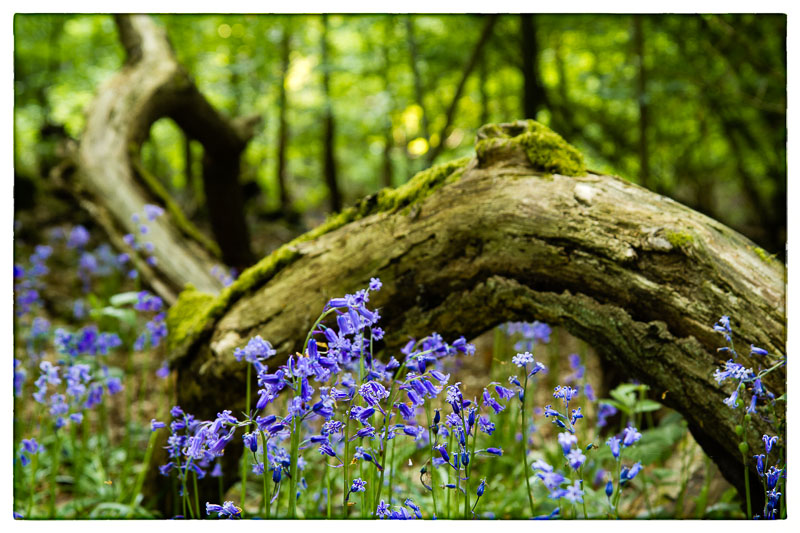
[227, 510]
[631, 435]
[613, 443]
[759, 464]
[491, 402]
[152, 212]
[574, 493]
[769, 442]
[522, 359]
[382, 511]
[485, 425]
[773, 475]
[627, 474]
[495, 451]
[576, 415]
[481, 487]
[609, 489]
[78, 237]
[155, 424]
[414, 507]
[359, 485]
[567, 441]
[553, 514]
[754, 350]
[576, 458]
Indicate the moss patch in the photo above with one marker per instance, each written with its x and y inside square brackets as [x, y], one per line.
[546, 150]
[187, 314]
[195, 312]
[679, 239]
[762, 253]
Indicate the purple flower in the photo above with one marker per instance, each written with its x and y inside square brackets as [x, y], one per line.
[576, 458]
[152, 212]
[574, 493]
[755, 350]
[375, 284]
[382, 510]
[78, 237]
[628, 474]
[155, 424]
[495, 451]
[630, 436]
[613, 443]
[567, 441]
[359, 485]
[769, 442]
[227, 510]
[522, 359]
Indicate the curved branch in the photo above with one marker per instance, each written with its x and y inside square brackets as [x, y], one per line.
[151, 85]
[641, 277]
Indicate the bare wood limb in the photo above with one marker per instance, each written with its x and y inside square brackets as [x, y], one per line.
[641, 277]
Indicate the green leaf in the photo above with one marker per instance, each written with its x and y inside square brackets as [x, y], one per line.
[645, 406]
[124, 298]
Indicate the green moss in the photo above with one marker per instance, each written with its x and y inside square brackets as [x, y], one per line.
[546, 150]
[195, 312]
[679, 239]
[762, 253]
[186, 315]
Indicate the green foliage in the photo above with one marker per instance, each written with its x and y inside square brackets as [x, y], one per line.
[716, 99]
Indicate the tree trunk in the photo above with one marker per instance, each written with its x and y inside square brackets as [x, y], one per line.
[110, 181]
[283, 126]
[534, 96]
[329, 127]
[474, 243]
[641, 98]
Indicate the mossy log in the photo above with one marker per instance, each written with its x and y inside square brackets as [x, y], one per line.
[107, 177]
[493, 238]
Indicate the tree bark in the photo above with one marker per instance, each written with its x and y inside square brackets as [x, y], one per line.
[329, 127]
[112, 184]
[641, 98]
[639, 276]
[534, 96]
[283, 126]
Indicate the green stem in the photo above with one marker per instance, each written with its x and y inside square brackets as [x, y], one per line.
[148, 454]
[196, 494]
[34, 466]
[430, 446]
[294, 470]
[264, 475]
[345, 468]
[54, 465]
[246, 429]
[524, 446]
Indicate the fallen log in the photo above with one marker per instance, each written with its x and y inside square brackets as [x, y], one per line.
[521, 231]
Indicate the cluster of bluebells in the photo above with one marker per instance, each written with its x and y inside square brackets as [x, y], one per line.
[155, 329]
[737, 372]
[28, 281]
[138, 242]
[80, 379]
[194, 445]
[407, 511]
[531, 333]
[337, 368]
[770, 478]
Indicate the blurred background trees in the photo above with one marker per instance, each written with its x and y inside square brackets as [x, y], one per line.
[693, 107]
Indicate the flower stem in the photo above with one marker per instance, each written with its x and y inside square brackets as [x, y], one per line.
[294, 469]
[524, 446]
[433, 469]
[148, 454]
[264, 474]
